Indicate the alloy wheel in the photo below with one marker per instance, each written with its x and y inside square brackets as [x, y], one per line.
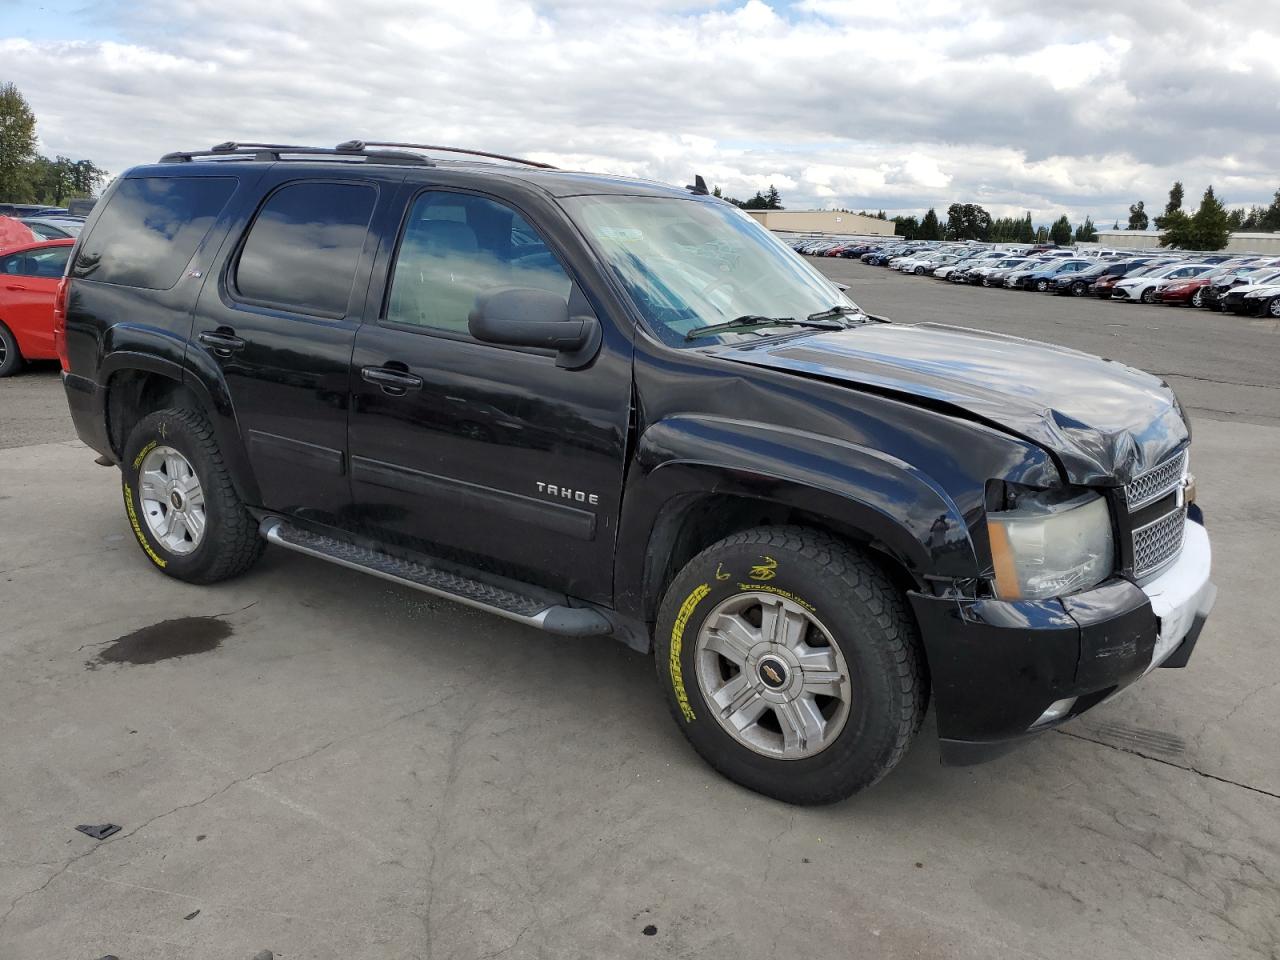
[1273, 308]
[172, 500]
[774, 677]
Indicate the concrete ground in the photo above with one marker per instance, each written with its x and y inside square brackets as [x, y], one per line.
[323, 765]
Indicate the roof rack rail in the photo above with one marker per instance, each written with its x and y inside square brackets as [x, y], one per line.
[358, 145]
[277, 151]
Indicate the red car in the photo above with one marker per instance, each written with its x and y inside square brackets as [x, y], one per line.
[29, 278]
[1187, 292]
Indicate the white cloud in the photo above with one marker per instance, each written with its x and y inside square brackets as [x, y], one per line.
[900, 104]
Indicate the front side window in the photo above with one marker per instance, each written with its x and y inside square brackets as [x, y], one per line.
[304, 246]
[688, 263]
[456, 246]
[48, 264]
[150, 229]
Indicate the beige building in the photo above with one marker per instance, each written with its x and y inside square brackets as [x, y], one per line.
[1146, 239]
[823, 221]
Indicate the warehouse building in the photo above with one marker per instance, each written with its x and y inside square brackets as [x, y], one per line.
[1147, 239]
[823, 221]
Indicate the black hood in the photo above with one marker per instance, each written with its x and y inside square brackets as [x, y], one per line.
[1104, 422]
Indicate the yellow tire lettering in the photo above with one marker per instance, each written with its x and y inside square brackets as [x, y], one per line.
[137, 461]
[778, 592]
[137, 527]
[677, 643]
[766, 569]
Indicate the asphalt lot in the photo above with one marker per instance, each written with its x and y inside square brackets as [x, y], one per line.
[328, 766]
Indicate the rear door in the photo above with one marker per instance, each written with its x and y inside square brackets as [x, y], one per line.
[493, 455]
[280, 323]
[28, 281]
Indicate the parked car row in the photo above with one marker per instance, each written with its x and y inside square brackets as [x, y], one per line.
[1248, 285]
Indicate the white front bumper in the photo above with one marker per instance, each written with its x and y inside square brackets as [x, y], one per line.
[1182, 592]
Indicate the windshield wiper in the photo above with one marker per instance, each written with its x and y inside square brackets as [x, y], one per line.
[833, 313]
[750, 321]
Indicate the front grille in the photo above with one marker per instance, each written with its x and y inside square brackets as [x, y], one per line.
[1158, 542]
[1155, 483]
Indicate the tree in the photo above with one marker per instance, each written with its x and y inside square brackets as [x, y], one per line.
[1176, 230]
[772, 200]
[1138, 219]
[930, 228]
[1087, 232]
[17, 144]
[1210, 227]
[1116, 225]
[1060, 232]
[1026, 232]
[907, 227]
[1173, 206]
[968, 221]
[1235, 218]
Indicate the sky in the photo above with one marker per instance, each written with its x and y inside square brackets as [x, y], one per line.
[1079, 107]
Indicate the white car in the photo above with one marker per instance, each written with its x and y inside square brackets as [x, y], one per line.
[1143, 289]
[1008, 263]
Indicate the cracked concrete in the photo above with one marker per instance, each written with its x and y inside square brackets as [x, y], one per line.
[359, 772]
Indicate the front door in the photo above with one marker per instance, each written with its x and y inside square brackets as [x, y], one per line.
[493, 456]
[281, 321]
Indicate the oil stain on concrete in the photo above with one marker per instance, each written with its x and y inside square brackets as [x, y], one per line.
[166, 640]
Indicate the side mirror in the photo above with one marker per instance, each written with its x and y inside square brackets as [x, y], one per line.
[530, 317]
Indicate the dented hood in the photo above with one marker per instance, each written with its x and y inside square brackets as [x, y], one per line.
[1103, 422]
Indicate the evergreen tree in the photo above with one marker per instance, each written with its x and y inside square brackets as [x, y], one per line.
[1235, 218]
[1173, 206]
[1087, 232]
[1138, 219]
[1026, 232]
[17, 144]
[930, 229]
[1210, 227]
[907, 227]
[772, 200]
[1176, 231]
[1060, 232]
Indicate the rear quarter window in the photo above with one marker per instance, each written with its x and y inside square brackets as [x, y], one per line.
[150, 229]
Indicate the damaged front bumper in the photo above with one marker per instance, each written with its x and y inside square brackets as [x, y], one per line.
[1006, 670]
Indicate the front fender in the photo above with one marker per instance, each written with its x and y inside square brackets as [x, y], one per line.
[892, 505]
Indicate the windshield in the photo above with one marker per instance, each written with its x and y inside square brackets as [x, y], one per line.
[691, 263]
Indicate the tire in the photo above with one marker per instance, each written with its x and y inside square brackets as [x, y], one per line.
[228, 543]
[1273, 307]
[1042, 286]
[919, 271]
[843, 597]
[1197, 298]
[1148, 295]
[1079, 288]
[10, 355]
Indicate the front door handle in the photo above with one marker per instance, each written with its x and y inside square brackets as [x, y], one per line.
[14, 286]
[394, 383]
[222, 342]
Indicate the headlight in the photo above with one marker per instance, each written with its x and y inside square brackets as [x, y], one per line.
[1043, 549]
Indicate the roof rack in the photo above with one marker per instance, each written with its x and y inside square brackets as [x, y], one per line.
[277, 151]
[357, 145]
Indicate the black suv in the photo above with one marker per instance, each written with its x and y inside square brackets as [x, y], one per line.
[602, 406]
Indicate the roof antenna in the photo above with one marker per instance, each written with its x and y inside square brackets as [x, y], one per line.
[699, 186]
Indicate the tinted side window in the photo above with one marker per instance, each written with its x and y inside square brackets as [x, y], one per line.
[150, 229]
[49, 264]
[456, 246]
[304, 246]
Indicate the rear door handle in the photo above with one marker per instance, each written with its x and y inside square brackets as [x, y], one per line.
[222, 344]
[395, 383]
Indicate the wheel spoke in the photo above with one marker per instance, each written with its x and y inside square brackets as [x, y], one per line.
[801, 722]
[176, 467]
[821, 673]
[194, 520]
[195, 496]
[151, 485]
[732, 638]
[177, 526]
[781, 625]
[739, 702]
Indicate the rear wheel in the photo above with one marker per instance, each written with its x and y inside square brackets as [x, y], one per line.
[919, 271]
[791, 664]
[1197, 298]
[1079, 288]
[180, 501]
[1273, 307]
[10, 356]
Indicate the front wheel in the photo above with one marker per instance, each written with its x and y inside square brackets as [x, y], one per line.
[1273, 307]
[1042, 285]
[1079, 288]
[181, 503]
[1148, 295]
[791, 664]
